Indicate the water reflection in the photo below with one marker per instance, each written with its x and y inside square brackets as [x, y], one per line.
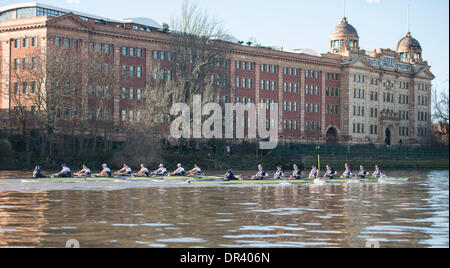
[411, 214]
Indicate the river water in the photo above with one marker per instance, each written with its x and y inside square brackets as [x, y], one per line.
[167, 215]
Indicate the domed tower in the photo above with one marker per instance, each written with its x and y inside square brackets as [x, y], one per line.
[344, 38]
[409, 49]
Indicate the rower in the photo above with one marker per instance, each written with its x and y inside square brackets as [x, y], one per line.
[348, 172]
[65, 172]
[229, 176]
[105, 173]
[279, 173]
[37, 173]
[179, 171]
[125, 171]
[330, 174]
[297, 173]
[314, 173]
[195, 171]
[143, 172]
[362, 172]
[161, 171]
[377, 173]
[261, 174]
[84, 172]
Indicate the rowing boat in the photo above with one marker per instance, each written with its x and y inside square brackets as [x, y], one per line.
[98, 179]
[200, 180]
[305, 181]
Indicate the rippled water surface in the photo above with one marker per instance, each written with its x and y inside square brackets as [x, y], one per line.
[413, 214]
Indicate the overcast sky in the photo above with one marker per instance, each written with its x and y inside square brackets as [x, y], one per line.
[301, 23]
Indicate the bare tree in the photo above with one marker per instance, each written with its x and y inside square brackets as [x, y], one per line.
[197, 62]
[198, 45]
[64, 92]
[440, 113]
[440, 105]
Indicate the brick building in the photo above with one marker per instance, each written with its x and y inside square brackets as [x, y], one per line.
[347, 95]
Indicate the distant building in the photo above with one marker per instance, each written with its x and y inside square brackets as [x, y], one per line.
[347, 95]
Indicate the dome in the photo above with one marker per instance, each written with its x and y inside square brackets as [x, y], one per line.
[408, 43]
[344, 29]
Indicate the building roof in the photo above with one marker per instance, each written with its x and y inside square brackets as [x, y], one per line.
[141, 21]
[344, 28]
[407, 43]
[307, 51]
[144, 21]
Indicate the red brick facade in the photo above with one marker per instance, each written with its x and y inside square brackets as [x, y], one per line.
[309, 90]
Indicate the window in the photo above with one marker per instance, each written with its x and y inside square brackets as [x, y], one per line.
[91, 47]
[58, 41]
[138, 94]
[155, 55]
[99, 92]
[107, 49]
[16, 88]
[33, 87]
[139, 71]
[124, 51]
[139, 52]
[124, 93]
[17, 43]
[75, 43]
[132, 68]
[34, 41]
[25, 42]
[25, 88]
[25, 63]
[132, 51]
[131, 93]
[16, 64]
[66, 42]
